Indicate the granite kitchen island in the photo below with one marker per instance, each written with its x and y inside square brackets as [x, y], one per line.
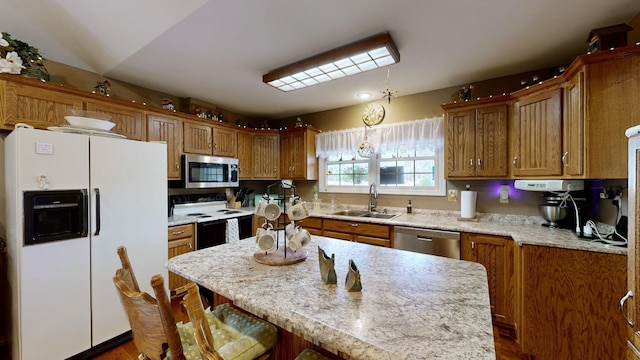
[412, 306]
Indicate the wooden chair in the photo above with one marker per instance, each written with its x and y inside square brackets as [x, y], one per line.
[152, 323]
[203, 329]
[156, 333]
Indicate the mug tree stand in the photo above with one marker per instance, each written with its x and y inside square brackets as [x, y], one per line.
[280, 256]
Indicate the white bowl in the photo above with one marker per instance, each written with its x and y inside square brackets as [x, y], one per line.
[89, 119]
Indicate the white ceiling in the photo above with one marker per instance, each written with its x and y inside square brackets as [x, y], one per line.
[218, 50]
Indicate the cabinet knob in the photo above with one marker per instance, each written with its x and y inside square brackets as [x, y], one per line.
[354, 225]
[515, 162]
[479, 163]
[624, 299]
[177, 232]
[565, 156]
[471, 164]
[473, 248]
[177, 166]
[215, 146]
[209, 145]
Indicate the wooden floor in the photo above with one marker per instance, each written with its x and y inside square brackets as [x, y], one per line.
[506, 349]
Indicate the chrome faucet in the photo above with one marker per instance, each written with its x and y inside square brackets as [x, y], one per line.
[373, 195]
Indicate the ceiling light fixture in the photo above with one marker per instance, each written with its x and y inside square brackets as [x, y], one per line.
[366, 54]
[364, 95]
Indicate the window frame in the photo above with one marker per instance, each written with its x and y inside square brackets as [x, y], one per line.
[374, 177]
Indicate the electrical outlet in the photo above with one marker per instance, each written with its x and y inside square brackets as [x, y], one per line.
[504, 194]
[452, 195]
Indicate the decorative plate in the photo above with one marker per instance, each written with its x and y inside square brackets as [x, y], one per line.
[373, 114]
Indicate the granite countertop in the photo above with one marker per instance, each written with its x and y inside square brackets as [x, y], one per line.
[522, 229]
[412, 306]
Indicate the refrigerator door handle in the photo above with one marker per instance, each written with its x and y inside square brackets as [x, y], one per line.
[97, 211]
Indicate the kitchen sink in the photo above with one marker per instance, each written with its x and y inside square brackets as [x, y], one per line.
[350, 212]
[364, 213]
[380, 215]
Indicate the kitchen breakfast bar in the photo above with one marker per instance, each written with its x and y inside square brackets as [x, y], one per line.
[412, 306]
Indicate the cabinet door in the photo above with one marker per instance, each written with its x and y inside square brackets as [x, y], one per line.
[537, 135]
[266, 156]
[337, 235]
[181, 241]
[198, 138]
[129, 121]
[573, 129]
[491, 141]
[286, 155]
[39, 107]
[224, 142]
[496, 253]
[245, 155]
[460, 143]
[169, 130]
[570, 302]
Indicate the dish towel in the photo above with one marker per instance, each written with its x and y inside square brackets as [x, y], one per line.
[233, 232]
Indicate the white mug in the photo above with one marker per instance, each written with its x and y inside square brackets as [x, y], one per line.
[260, 208]
[290, 230]
[300, 239]
[272, 211]
[298, 211]
[266, 238]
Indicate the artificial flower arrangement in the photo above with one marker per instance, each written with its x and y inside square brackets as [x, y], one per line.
[18, 57]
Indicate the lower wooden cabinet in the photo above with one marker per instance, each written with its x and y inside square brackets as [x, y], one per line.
[374, 234]
[181, 240]
[570, 304]
[312, 224]
[497, 254]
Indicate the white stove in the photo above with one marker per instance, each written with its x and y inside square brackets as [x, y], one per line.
[208, 211]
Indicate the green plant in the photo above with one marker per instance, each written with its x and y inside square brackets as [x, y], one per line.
[18, 57]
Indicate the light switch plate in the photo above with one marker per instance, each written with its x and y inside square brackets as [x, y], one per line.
[452, 195]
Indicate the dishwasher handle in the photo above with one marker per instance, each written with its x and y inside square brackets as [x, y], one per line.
[427, 233]
[422, 238]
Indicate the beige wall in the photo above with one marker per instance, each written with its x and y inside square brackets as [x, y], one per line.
[402, 108]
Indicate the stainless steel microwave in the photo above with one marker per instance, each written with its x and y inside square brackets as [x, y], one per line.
[199, 171]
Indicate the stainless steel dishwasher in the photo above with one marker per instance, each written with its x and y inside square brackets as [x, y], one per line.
[427, 241]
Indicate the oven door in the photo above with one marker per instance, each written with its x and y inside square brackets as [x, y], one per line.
[210, 233]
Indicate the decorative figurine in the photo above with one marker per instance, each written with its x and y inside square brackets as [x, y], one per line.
[167, 104]
[465, 93]
[220, 117]
[353, 283]
[298, 122]
[103, 88]
[327, 264]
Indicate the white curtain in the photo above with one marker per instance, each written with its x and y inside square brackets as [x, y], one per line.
[425, 133]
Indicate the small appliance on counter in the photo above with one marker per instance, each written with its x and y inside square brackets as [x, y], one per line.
[565, 202]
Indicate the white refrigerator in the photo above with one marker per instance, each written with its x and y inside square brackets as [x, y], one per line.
[63, 298]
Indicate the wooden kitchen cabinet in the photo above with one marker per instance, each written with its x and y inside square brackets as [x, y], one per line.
[298, 159]
[168, 129]
[573, 125]
[245, 154]
[497, 255]
[368, 233]
[35, 103]
[129, 121]
[181, 240]
[312, 224]
[536, 134]
[266, 155]
[629, 306]
[570, 303]
[476, 140]
[208, 139]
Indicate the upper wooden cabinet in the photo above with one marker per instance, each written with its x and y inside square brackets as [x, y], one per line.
[167, 128]
[35, 103]
[245, 154]
[129, 121]
[573, 125]
[209, 139]
[536, 134]
[476, 140]
[298, 159]
[266, 155]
